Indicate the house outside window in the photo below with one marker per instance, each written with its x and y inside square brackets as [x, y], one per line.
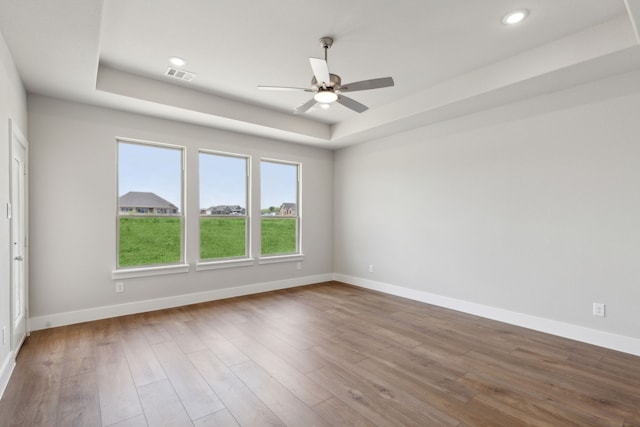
[288, 209]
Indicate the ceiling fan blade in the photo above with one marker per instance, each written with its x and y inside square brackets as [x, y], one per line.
[368, 84]
[352, 104]
[284, 88]
[320, 70]
[304, 107]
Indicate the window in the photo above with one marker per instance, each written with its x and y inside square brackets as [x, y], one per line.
[280, 208]
[224, 220]
[150, 214]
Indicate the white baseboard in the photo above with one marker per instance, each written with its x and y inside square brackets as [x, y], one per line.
[553, 327]
[104, 312]
[579, 333]
[5, 371]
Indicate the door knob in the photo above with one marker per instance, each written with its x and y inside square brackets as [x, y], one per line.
[19, 258]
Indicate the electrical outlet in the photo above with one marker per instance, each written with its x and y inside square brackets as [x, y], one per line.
[299, 266]
[119, 287]
[370, 268]
[598, 309]
[4, 335]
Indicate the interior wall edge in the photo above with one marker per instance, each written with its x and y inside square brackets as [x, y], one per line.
[565, 330]
[105, 312]
[5, 371]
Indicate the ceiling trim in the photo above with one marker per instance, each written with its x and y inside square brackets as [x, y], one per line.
[595, 53]
[211, 110]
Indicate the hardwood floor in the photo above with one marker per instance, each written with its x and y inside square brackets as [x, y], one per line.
[322, 355]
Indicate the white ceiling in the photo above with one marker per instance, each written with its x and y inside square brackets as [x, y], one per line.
[447, 57]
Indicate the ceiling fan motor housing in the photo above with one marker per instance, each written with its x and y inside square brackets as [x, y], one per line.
[334, 83]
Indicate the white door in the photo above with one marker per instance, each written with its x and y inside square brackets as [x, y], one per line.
[18, 214]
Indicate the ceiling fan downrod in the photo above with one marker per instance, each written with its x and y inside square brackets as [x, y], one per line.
[326, 43]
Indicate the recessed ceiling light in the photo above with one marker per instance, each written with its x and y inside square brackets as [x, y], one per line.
[515, 17]
[177, 61]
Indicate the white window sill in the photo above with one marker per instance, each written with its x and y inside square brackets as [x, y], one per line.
[230, 263]
[281, 258]
[149, 271]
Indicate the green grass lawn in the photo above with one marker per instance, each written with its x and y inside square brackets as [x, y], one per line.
[278, 236]
[222, 237]
[150, 241]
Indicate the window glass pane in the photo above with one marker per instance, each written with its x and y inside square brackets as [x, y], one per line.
[223, 206]
[150, 226]
[279, 208]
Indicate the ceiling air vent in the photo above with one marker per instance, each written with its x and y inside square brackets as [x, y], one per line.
[177, 73]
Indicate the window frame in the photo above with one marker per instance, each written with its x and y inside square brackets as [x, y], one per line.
[181, 266]
[298, 255]
[233, 261]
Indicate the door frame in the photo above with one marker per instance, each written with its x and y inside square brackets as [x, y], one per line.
[16, 136]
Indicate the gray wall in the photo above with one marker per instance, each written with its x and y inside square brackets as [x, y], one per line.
[13, 105]
[532, 208]
[73, 206]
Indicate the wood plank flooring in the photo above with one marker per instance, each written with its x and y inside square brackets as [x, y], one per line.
[322, 355]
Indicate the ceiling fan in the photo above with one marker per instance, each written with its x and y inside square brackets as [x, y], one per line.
[328, 88]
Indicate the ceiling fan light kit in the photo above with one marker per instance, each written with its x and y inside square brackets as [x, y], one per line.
[328, 88]
[325, 96]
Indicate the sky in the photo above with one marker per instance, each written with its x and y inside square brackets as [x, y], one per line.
[278, 184]
[222, 178]
[150, 169]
